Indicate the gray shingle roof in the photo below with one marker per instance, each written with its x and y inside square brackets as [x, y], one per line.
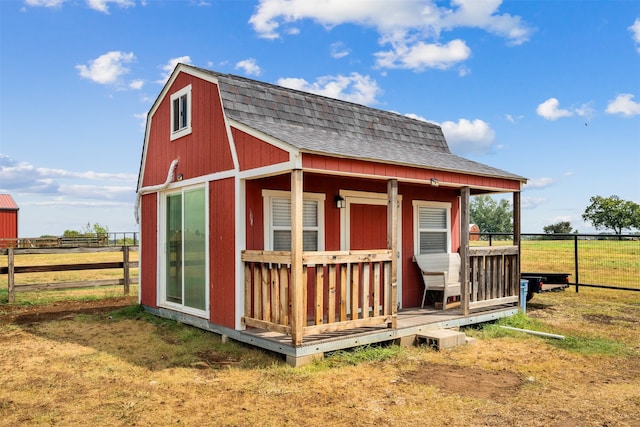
[319, 124]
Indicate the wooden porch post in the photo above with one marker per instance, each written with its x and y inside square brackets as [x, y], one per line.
[392, 244]
[464, 249]
[517, 228]
[298, 310]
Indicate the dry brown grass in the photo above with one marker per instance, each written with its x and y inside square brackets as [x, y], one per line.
[139, 370]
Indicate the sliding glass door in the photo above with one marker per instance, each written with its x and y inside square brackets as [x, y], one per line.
[185, 240]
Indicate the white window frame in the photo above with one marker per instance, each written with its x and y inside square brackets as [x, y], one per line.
[269, 195]
[185, 130]
[417, 204]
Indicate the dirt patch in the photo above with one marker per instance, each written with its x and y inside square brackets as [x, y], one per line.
[24, 315]
[487, 384]
[213, 359]
[605, 319]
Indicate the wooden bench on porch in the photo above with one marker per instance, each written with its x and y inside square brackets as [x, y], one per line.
[440, 272]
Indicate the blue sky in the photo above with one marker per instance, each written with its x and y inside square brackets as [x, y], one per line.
[549, 90]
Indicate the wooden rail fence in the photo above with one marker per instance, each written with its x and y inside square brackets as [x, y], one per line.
[11, 269]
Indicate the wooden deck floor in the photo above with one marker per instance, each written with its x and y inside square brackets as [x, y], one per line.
[410, 323]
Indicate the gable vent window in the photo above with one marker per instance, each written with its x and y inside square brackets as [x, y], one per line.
[181, 113]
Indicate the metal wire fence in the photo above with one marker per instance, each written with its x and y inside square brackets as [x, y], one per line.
[593, 260]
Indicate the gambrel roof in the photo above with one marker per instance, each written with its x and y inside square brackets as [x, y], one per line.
[318, 124]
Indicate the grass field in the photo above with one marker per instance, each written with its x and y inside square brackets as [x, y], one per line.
[91, 356]
[73, 363]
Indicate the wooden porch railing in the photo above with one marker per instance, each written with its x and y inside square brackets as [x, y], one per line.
[343, 290]
[494, 276]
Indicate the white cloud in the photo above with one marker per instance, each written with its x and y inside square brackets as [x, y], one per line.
[513, 119]
[170, 65]
[468, 136]
[338, 50]
[107, 68]
[539, 183]
[483, 15]
[532, 202]
[550, 110]
[103, 5]
[585, 110]
[353, 88]
[424, 55]
[24, 178]
[412, 28]
[249, 66]
[624, 105]
[635, 31]
[44, 3]
[136, 84]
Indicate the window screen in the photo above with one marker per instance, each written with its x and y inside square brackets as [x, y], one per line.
[281, 224]
[432, 230]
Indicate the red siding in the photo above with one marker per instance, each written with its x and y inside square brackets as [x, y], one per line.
[314, 161]
[222, 252]
[149, 250]
[254, 153]
[8, 225]
[8, 218]
[206, 150]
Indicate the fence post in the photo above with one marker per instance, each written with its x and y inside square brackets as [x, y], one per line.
[575, 257]
[11, 275]
[125, 268]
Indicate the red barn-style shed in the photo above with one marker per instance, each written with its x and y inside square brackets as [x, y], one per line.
[8, 221]
[280, 218]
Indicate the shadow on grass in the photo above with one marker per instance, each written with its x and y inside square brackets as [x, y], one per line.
[131, 334]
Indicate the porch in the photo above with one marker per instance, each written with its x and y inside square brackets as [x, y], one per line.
[345, 294]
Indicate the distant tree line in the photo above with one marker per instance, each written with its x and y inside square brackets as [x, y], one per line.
[604, 213]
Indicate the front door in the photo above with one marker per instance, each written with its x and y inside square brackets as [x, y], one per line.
[367, 226]
[363, 225]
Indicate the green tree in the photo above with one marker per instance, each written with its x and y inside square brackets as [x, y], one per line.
[95, 230]
[71, 233]
[490, 215]
[612, 213]
[563, 227]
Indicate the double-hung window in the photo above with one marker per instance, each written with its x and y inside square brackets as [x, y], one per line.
[277, 214]
[181, 113]
[432, 225]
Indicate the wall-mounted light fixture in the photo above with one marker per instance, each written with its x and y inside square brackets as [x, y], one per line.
[340, 202]
[434, 182]
[179, 177]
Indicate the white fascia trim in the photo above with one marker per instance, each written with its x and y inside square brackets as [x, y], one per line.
[240, 207]
[202, 179]
[232, 142]
[263, 137]
[265, 171]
